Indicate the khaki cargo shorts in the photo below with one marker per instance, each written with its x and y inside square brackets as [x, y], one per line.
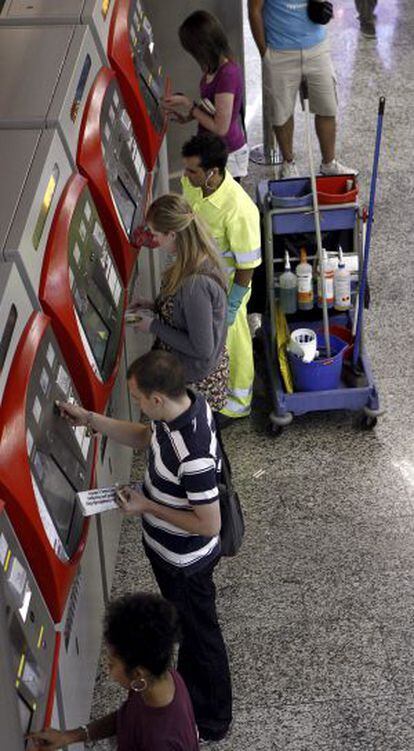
[282, 72]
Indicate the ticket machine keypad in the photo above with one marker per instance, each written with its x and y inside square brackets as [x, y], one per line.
[124, 164]
[60, 455]
[96, 286]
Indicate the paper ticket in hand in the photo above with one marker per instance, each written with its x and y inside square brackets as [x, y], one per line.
[100, 499]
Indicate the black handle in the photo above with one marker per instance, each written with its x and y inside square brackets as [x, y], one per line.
[304, 87]
[381, 107]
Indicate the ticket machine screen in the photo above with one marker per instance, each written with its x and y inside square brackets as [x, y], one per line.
[58, 492]
[152, 105]
[96, 285]
[125, 203]
[124, 164]
[97, 332]
[147, 65]
[56, 450]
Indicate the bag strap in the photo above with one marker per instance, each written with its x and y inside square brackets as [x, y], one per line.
[243, 117]
[225, 461]
[226, 472]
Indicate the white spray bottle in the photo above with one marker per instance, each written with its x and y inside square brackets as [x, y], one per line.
[342, 285]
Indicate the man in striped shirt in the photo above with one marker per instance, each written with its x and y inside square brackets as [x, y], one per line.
[179, 505]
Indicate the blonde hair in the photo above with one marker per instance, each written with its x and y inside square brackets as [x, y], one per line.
[194, 244]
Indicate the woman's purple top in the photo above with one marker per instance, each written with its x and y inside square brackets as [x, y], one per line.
[228, 80]
[170, 728]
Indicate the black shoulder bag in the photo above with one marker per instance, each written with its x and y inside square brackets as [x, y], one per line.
[320, 11]
[232, 521]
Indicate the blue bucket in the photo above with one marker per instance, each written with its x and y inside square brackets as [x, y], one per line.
[322, 374]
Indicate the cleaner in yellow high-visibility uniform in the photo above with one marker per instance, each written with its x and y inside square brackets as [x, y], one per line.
[234, 222]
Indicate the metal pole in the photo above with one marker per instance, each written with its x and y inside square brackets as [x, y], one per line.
[317, 218]
[267, 153]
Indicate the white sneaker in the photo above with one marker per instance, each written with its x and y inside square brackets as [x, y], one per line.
[288, 169]
[336, 168]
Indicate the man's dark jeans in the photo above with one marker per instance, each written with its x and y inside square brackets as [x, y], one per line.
[202, 659]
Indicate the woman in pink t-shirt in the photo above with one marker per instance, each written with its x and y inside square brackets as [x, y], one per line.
[220, 109]
[140, 631]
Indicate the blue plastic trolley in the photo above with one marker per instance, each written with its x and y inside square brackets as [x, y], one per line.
[287, 209]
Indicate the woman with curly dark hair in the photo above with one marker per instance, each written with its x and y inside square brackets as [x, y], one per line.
[140, 631]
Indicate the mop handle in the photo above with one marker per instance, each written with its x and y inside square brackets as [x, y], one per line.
[305, 95]
[367, 245]
[364, 215]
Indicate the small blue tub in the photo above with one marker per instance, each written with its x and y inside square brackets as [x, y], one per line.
[322, 374]
[290, 193]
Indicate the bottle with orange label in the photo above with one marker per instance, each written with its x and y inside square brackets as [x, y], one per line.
[305, 283]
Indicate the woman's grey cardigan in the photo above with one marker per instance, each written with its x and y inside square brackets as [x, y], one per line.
[199, 329]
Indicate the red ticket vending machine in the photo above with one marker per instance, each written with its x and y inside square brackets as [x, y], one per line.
[82, 291]
[82, 618]
[54, 461]
[132, 53]
[110, 158]
[50, 91]
[94, 13]
[28, 632]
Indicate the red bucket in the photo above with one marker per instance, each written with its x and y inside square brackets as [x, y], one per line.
[346, 335]
[334, 189]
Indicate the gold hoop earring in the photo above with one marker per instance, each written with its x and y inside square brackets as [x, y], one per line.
[138, 689]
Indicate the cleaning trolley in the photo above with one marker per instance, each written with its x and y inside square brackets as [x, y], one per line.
[316, 247]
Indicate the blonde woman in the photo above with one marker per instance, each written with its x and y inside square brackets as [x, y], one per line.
[191, 310]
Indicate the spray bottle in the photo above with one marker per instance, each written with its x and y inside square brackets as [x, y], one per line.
[288, 284]
[329, 276]
[305, 286]
[342, 285]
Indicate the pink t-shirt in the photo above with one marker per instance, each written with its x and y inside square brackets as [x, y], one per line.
[170, 728]
[228, 80]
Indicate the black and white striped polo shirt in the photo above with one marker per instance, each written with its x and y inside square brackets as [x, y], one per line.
[183, 461]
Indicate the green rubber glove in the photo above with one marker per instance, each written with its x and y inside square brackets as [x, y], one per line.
[234, 301]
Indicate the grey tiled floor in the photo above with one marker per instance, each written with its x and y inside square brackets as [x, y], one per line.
[318, 608]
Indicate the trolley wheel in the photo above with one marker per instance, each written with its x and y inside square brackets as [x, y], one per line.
[368, 422]
[273, 429]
